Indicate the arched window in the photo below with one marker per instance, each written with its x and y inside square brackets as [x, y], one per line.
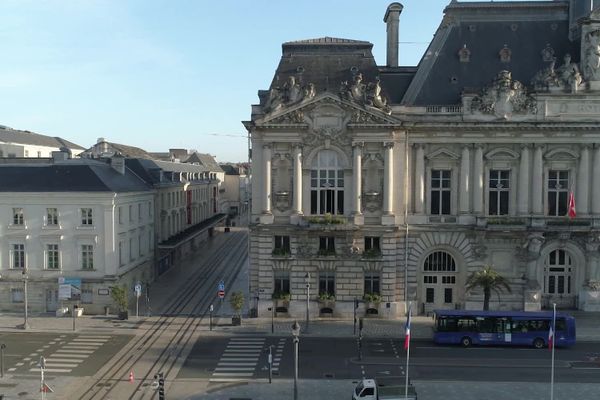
[558, 273]
[439, 261]
[326, 184]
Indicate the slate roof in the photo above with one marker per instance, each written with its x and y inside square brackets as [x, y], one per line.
[206, 160]
[76, 175]
[9, 135]
[326, 62]
[149, 170]
[485, 27]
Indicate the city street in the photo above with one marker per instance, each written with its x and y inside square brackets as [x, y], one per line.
[231, 359]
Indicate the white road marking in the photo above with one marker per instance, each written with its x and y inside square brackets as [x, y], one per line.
[233, 374]
[75, 351]
[70, 355]
[50, 370]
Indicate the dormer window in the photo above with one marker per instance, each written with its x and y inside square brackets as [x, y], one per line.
[464, 54]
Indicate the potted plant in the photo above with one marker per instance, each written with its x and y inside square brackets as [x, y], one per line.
[372, 301]
[119, 296]
[236, 300]
[282, 301]
[326, 302]
[280, 252]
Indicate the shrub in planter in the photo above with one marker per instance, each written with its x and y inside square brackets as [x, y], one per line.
[119, 296]
[236, 300]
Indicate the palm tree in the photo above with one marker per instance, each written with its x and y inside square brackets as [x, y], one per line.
[488, 279]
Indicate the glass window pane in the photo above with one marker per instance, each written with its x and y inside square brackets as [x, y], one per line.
[504, 203]
[435, 202]
[446, 202]
[493, 209]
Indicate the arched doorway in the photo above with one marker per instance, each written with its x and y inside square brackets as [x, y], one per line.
[439, 281]
[559, 280]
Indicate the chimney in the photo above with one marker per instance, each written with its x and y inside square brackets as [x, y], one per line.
[118, 163]
[60, 156]
[392, 19]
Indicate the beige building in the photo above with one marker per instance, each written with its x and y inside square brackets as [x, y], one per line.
[393, 184]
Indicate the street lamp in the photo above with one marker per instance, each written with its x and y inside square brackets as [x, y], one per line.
[25, 279]
[296, 335]
[307, 278]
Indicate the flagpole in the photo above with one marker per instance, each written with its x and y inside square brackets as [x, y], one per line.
[553, 345]
[407, 354]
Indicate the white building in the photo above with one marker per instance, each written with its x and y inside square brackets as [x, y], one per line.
[396, 183]
[24, 144]
[82, 219]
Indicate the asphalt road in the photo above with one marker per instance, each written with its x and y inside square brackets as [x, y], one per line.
[222, 359]
[66, 354]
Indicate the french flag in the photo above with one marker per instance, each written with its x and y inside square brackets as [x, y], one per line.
[551, 331]
[407, 328]
[572, 213]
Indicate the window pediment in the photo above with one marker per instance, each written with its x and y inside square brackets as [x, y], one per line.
[502, 153]
[561, 154]
[442, 153]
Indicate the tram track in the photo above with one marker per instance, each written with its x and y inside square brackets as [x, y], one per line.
[169, 334]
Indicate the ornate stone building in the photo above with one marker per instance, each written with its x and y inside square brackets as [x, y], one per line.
[395, 183]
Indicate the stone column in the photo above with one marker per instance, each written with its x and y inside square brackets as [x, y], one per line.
[357, 172]
[419, 179]
[583, 181]
[478, 181]
[266, 179]
[297, 203]
[388, 179]
[523, 193]
[537, 183]
[465, 189]
[596, 178]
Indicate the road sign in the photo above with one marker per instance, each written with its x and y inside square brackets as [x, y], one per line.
[138, 289]
[221, 286]
[221, 294]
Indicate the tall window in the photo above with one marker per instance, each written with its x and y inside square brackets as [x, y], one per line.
[326, 245]
[18, 216]
[120, 213]
[499, 187]
[131, 256]
[51, 216]
[372, 283]
[52, 256]
[558, 192]
[121, 255]
[372, 244]
[558, 273]
[140, 215]
[18, 255]
[281, 245]
[87, 217]
[440, 192]
[326, 184]
[327, 283]
[281, 282]
[131, 213]
[87, 256]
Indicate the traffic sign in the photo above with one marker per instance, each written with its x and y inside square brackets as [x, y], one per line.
[138, 289]
[221, 286]
[221, 294]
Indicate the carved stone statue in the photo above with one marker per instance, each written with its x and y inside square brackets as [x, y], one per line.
[291, 93]
[569, 75]
[546, 78]
[592, 56]
[377, 99]
[274, 101]
[309, 91]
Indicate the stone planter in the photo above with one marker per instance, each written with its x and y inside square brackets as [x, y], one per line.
[326, 308]
[123, 315]
[371, 309]
[236, 320]
[282, 306]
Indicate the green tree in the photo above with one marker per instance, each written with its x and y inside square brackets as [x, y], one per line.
[489, 280]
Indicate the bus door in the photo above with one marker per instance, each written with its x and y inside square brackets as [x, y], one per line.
[506, 330]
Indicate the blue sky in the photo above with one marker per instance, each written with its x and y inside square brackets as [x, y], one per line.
[162, 74]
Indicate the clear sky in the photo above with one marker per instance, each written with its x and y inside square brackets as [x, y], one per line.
[162, 74]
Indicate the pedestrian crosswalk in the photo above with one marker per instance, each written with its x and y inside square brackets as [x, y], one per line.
[63, 354]
[241, 358]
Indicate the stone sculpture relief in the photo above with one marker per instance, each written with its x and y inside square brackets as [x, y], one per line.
[591, 68]
[368, 95]
[504, 97]
[289, 94]
[567, 77]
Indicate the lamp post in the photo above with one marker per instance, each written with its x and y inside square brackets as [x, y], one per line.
[307, 278]
[296, 335]
[25, 279]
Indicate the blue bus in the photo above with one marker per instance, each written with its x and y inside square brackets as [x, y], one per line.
[519, 328]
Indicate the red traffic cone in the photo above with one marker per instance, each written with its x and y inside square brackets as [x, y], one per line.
[131, 376]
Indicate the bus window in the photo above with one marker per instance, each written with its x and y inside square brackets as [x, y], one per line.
[560, 325]
[466, 325]
[486, 325]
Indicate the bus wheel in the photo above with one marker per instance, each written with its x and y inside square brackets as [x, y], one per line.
[466, 341]
[538, 343]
